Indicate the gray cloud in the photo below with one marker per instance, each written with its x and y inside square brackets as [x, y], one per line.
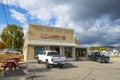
[87, 9]
[100, 13]
[103, 36]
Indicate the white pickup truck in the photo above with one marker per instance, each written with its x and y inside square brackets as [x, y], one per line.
[51, 58]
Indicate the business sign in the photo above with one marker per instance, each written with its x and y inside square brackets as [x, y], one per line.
[46, 36]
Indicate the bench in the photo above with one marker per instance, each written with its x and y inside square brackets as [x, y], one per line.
[17, 59]
[8, 66]
[10, 63]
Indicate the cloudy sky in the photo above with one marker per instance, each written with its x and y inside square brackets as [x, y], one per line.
[96, 22]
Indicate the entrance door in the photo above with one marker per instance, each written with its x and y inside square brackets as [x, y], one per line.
[81, 53]
[56, 48]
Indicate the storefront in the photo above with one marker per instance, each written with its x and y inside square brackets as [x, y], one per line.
[81, 53]
[40, 38]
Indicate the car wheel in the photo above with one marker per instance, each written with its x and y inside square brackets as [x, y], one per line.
[47, 65]
[38, 61]
[100, 61]
[89, 58]
[60, 65]
[106, 60]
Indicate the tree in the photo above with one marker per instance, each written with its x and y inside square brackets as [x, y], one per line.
[98, 48]
[1, 45]
[12, 36]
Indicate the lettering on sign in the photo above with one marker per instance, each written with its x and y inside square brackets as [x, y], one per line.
[46, 36]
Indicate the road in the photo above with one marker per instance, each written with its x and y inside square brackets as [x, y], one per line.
[75, 70]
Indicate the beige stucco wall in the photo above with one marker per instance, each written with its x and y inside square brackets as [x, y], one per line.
[62, 51]
[30, 52]
[73, 52]
[25, 47]
[36, 31]
[47, 47]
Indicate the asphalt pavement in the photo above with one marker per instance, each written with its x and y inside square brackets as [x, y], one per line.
[72, 70]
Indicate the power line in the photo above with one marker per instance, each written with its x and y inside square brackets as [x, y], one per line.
[4, 12]
[7, 6]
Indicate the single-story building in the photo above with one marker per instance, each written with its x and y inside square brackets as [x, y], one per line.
[41, 37]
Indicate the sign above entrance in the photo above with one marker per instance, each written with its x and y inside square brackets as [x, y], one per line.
[46, 36]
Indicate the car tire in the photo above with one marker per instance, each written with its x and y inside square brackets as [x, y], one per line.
[38, 61]
[100, 61]
[60, 65]
[47, 65]
[89, 58]
[106, 61]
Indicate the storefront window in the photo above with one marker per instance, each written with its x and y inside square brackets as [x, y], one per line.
[68, 52]
[83, 52]
[39, 50]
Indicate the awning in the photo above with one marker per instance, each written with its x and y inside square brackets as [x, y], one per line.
[39, 42]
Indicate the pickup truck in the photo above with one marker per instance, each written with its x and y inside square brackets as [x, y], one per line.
[97, 56]
[51, 58]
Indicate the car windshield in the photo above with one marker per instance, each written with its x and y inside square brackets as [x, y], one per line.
[97, 53]
[52, 53]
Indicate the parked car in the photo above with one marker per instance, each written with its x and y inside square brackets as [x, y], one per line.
[51, 58]
[14, 51]
[11, 51]
[20, 51]
[97, 56]
[5, 50]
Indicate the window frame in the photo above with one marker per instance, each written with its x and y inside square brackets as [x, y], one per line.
[69, 55]
[35, 50]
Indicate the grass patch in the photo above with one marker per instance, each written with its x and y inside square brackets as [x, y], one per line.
[115, 56]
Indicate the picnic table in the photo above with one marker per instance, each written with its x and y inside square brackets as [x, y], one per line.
[10, 63]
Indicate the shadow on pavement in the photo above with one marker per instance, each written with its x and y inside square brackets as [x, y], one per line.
[39, 70]
[69, 65]
[14, 73]
[34, 76]
[23, 67]
[108, 63]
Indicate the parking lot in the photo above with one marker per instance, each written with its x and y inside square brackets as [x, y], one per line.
[72, 70]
